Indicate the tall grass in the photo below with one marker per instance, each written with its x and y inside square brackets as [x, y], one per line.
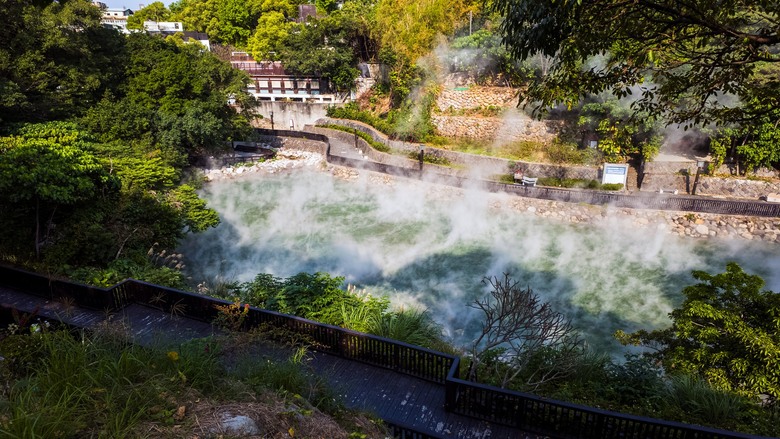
[79, 384]
[292, 377]
[99, 385]
[694, 396]
[411, 326]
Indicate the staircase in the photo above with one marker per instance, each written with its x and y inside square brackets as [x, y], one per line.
[669, 177]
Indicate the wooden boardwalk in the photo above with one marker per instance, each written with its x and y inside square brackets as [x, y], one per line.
[398, 399]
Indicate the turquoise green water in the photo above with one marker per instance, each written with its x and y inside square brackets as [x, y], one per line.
[424, 246]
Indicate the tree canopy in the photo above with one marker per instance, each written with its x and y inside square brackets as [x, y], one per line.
[152, 12]
[727, 330]
[691, 61]
[56, 60]
[96, 129]
[45, 169]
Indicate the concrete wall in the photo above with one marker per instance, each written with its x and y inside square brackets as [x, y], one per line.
[301, 113]
[475, 166]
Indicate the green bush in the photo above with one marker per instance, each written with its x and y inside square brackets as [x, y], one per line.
[353, 112]
[503, 178]
[578, 183]
[411, 326]
[430, 157]
[379, 146]
[698, 400]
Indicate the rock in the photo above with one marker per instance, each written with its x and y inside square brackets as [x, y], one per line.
[703, 230]
[239, 425]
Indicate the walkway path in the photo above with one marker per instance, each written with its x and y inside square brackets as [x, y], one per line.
[396, 398]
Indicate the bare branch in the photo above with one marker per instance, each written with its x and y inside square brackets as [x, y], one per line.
[520, 329]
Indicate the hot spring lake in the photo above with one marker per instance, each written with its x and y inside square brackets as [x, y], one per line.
[430, 246]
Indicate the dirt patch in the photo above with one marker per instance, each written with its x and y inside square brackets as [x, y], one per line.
[275, 416]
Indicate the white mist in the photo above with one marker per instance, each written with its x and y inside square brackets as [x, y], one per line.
[431, 245]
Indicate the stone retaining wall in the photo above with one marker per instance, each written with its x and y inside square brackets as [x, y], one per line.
[681, 175]
[497, 130]
[684, 224]
[737, 187]
[295, 144]
[476, 97]
[475, 166]
[694, 225]
[512, 126]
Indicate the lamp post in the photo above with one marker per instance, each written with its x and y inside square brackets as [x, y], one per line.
[272, 120]
[422, 154]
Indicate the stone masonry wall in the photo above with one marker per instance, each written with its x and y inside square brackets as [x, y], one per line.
[513, 127]
[495, 129]
[736, 187]
[476, 97]
[684, 224]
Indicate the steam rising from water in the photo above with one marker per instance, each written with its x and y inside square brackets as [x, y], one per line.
[431, 245]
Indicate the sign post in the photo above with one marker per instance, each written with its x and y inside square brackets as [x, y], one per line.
[615, 173]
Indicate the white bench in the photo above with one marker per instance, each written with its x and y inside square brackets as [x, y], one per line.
[529, 181]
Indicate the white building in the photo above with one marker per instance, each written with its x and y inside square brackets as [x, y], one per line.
[166, 28]
[269, 82]
[114, 18]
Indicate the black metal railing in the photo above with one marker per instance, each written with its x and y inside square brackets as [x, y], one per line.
[521, 410]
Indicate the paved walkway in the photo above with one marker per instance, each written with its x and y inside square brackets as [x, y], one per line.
[396, 398]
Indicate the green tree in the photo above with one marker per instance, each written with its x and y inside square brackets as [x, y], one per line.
[233, 22]
[686, 55]
[727, 330]
[313, 49]
[407, 30]
[482, 55]
[56, 60]
[195, 216]
[195, 15]
[755, 143]
[174, 100]
[755, 146]
[410, 27]
[356, 25]
[326, 6]
[272, 31]
[46, 169]
[621, 133]
[153, 12]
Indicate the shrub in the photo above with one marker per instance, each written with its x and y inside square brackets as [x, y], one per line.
[430, 157]
[411, 326]
[379, 146]
[353, 111]
[578, 183]
[695, 397]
